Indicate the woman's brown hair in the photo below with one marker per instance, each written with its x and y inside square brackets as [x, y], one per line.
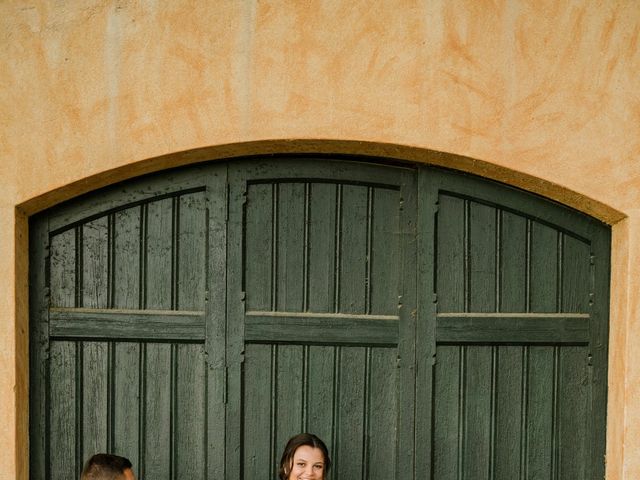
[302, 439]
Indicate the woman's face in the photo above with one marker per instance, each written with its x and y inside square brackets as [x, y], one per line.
[308, 464]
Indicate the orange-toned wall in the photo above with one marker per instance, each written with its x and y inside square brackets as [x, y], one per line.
[543, 94]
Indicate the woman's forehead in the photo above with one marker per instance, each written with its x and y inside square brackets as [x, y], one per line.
[308, 453]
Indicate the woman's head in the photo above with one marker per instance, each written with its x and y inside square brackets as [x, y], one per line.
[305, 457]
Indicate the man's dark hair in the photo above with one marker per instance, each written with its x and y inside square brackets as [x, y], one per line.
[302, 439]
[104, 466]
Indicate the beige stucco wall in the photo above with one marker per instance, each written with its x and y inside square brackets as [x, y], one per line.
[543, 94]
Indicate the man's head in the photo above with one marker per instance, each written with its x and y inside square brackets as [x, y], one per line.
[104, 466]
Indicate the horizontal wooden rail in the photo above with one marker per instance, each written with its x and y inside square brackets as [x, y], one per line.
[159, 325]
[321, 328]
[529, 328]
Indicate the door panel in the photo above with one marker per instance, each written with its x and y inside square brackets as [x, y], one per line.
[515, 329]
[123, 330]
[322, 270]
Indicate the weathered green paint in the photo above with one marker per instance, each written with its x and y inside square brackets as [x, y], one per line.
[426, 324]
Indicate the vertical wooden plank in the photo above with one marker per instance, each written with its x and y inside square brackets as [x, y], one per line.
[157, 409]
[191, 235]
[482, 258]
[478, 419]
[258, 238]
[216, 317]
[425, 324]
[513, 263]
[322, 247]
[353, 249]
[576, 260]
[189, 412]
[383, 411]
[62, 263]
[289, 378]
[239, 258]
[385, 252]
[508, 422]
[159, 258]
[599, 312]
[62, 427]
[574, 411]
[95, 398]
[540, 414]
[39, 354]
[544, 268]
[257, 444]
[126, 401]
[450, 254]
[290, 247]
[126, 274]
[350, 413]
[407, 361]
[320, 385]
[95, 263]
[448, 405]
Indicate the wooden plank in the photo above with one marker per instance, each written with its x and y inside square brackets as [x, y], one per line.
[509, 402]
[130, 194]
[513, 328]
[126, 270]
[258, 437]
[215, 317]
[384, 271]
[407, 328]
[350, 428]
[189, 436]
[599, 310]
[539, 424]
[513, 263]
[290, 247]
[322, 247]
[543, 293]
[126, 401]
[158, 268]
[39, 360]
[574, 439]
[62, 264]
[321, 384]
[478, 412]
[482, 283]
[448, 407]
[64, 462]
[451, 252]
[191, 240]
[157, 454]
[259, 239]
[95, 264]
[532, 206]
[289, 378]
[425, 326]
[576, 275]
[126, 324]
[95, 398]
[321, 329]
[353, 250]
[382, 412]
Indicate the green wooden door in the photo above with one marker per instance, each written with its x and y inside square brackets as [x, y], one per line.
[425, 324]
[513, 386]
[324, 265]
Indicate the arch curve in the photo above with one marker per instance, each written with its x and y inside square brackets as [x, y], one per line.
[379, 150]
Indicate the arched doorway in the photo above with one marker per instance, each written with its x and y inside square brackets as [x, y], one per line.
[426, 324]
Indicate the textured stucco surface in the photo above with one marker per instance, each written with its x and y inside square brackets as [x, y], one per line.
[544, 94]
